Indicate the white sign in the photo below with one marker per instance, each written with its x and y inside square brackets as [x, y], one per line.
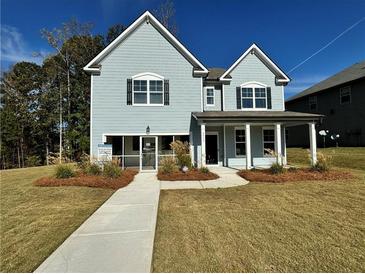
[105, 152]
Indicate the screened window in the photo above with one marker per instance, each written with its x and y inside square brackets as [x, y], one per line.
[269, 142]
[312, 103]
[345, 95]
[165, 142]
[135, 143]
[240, 142]
[253, 96]
[210, 96]
[148, 89]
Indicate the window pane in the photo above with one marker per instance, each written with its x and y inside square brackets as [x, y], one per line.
[210, 100]
[247, 92]
[240, 135]
[269, 149]
[156, 98]
[155, 85]
[210, 92]
[140, 98]
[240, 149]
[260, 92]
[247, 103]
[135, 143]
[269, 135]
[140, 85]
[260, 103]
[165, 142]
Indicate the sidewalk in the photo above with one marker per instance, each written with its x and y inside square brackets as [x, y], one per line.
[118, 237]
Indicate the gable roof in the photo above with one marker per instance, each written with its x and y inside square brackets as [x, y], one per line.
[93, 65]
[281, 76]
[354, 72]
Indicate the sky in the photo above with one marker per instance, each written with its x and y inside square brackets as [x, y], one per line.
[216, 32]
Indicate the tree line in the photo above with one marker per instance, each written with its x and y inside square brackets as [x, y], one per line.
[45, 109]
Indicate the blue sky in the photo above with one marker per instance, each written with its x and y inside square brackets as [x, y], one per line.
[217, 32]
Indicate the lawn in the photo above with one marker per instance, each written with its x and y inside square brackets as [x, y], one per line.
[265, 227]
[36, 220]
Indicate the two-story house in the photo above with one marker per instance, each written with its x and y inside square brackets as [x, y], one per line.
[147, 90]
[341, 98]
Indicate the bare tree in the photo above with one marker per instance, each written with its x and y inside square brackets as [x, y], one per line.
[166, 14]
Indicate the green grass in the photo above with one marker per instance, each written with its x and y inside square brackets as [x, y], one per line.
[36, 220]
[343, 157]
[266, 227]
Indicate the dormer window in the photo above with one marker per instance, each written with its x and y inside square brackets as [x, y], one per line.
[253, 96]
[148, 89]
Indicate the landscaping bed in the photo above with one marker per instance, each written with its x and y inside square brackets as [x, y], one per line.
[294, 175]
[191, 175]
[99, 181]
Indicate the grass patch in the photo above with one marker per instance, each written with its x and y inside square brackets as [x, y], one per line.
[293, 175]
[123, 179]
[191, 175]
[343, 157]
[36, 220]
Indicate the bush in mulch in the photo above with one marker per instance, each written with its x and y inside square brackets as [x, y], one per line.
[82, 179]
[191, 175]
[294, 175]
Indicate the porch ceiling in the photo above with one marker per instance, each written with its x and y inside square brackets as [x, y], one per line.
[256, 116]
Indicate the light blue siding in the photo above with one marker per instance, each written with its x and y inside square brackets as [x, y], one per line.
[252, 69]
[145, 50]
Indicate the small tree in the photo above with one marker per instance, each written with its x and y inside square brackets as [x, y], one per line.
[182, 152]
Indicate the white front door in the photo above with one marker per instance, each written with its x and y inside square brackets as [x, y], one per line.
[148, 153]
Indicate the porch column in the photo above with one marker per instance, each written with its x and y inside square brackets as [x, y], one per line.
[248, 145]
[313, 142]
[285, 162]
[202, 134]
[191, 147]
[278, 144]
[224, 147]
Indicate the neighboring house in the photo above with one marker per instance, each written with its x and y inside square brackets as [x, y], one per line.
[147, 90]
[341, 98]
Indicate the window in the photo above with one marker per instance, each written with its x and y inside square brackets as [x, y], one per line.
[345, 95]
[165, 142]
[240, 140]
[269, 142]
[147, 89]
[312, 102]
[210, 96]
[135, 143]
[253, 95]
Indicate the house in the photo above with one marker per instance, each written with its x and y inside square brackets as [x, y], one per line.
[341, 98]
[148, 89]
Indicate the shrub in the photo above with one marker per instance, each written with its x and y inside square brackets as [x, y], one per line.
[204, 170]
[168, 165]
[276, 168]
[33, 161]
[322, 163]
[182, 151]
[64, 171]
[93, 169]
[84, 162]
[111, 170]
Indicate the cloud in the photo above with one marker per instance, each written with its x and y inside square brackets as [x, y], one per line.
[14, 48]
[301, 83]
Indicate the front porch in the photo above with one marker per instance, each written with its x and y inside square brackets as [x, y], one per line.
[251, 139]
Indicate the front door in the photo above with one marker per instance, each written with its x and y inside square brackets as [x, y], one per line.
[148, 152]
[211, 149]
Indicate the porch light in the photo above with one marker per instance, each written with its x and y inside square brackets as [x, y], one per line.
[148, 130]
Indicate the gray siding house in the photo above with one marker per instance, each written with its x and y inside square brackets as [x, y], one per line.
[147, 90]
[341, 99]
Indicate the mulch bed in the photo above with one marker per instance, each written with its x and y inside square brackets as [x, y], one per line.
[301, 174]
[191, 175]
[90, 181]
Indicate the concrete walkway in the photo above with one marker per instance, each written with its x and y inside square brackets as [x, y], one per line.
[118, 237]
[227, 178]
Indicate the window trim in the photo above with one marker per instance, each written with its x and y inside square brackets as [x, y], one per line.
[148, 76]
[235, 142]
[342, 90]
[263, 141]
[253, 85]
[206, 96]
